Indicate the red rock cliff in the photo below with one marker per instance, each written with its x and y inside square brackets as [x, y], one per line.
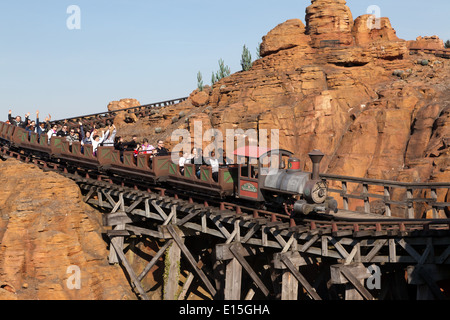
[46, 233]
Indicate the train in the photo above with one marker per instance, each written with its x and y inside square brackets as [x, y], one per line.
[262, 178]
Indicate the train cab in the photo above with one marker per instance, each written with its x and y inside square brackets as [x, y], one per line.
[255, 164]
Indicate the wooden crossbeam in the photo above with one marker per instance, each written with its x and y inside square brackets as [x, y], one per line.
[160, 211]
[134, 205]
[377, 247]
[172, 215]
[89, 195]
[188, 217]
[154, 260]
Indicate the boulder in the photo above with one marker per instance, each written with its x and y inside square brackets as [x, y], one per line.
[286, 35]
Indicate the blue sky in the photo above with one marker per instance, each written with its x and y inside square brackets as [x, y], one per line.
[149, 50]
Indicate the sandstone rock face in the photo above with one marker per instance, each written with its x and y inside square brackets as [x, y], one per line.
[199, 98]
[47, 235]
[123, 104]
[432, 42]
[368, 29]
[287, 35]
[122, 118]
[329, 20]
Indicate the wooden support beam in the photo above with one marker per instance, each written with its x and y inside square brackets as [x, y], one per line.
[191, 259]
[425, 277]
[312, 292]
[237, 250]
[135, 281]
[134, 205]
[154, 260]
[89, 195]
[435, 290]
[188, 217]
[357, 284]
[289, 286]
[159, 210]
[376, 248]
[172, 271]
[186, 286]
[233, 280]
[172, 216]
[352, 276]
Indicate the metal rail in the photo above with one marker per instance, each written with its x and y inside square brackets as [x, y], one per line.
[401, 199]
[109, 115]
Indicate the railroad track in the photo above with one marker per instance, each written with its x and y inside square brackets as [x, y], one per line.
[344, 222]
[102, 118]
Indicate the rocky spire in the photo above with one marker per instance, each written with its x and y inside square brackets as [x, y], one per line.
[328, 20]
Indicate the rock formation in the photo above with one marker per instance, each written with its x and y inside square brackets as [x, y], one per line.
[47, 235]
[432, 42]
[329, 20]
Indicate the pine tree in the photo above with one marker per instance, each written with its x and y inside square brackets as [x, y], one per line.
[246, 60]
[258, 51]
[199, 81]
[224, 71]
[447, 44]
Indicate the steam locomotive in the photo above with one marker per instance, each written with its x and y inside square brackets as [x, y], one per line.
[261, 178]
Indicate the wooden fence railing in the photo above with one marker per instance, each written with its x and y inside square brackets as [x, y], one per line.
[391, 198]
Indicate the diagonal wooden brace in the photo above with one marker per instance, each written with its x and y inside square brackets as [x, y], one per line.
[191, 259]
[238, 252]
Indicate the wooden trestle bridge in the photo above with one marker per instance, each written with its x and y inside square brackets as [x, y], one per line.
[315, 258]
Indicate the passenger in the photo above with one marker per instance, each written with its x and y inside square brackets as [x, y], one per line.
[223, 160]
[119, 145]
[131, 145]
[161, 150]
[96, 141]
[64, 132]
[214, 163]
[31, 127]
[52, 132]
[85, 137]
[42, 127]
[72, 137]
[138, 150]
[146, 147]
[17, 121]
[182, 161]
[110, 136]
[197, 159]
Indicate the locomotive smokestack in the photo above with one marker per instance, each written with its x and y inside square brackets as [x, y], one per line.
[316, 157]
